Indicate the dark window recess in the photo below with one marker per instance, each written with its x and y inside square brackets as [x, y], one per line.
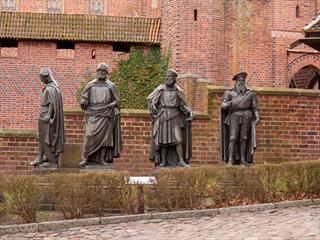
[297, 11]
[195, 15]
[65, 45]
[9, 43]
[121, 47]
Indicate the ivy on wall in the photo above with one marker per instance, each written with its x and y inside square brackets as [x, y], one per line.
[138, 76]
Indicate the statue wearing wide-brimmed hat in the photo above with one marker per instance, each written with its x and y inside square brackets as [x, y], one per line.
[239, 116]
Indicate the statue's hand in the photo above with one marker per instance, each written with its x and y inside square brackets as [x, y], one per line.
[255, 122]
[83, 105]
[112, 105]
[46, 118]
[190, 118]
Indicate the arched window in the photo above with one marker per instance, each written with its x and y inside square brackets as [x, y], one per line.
[96, 7]
[54, 6]
[297, 11]
[9, 5]
[307, 77]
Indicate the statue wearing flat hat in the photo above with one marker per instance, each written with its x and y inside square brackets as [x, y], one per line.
[101, 102]
[239, 116]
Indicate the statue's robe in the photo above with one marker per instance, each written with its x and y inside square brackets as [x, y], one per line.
[102, 139]
[169, 110]
[51, 133]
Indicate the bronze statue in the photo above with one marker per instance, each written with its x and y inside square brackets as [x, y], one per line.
[50, 123]
[102, 139]
[239, 116]
[171, 116]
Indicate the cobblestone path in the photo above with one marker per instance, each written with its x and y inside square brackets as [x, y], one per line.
[277, 224]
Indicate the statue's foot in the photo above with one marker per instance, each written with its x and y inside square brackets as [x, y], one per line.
[162, 164]
[83, 163]
[244, 163]
[36, 162]
[230, 163]
[183, 164]
[104, 163]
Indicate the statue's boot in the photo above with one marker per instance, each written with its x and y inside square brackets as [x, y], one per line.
[243, 153]
[183, 164]
[36, 162]
[163, 163]
[83, 163]
[231, 152]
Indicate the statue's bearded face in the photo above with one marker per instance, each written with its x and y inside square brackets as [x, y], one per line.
[241, 85]
[240, 82]
[101, 74]
[171, 79]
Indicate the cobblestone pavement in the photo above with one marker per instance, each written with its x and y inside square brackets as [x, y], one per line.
[277, 224]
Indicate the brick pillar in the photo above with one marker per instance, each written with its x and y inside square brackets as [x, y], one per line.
[196, 90]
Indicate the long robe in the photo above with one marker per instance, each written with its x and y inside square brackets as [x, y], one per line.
[169, 124]
[102, 140]
[51, 134]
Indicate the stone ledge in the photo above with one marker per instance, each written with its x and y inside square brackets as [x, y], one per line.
[298, 203]
[12, 229]
[185, 214]
[272, 91]
[246, 208]
[124, 219]
[18, 133]
[132, 113]
[58, 225]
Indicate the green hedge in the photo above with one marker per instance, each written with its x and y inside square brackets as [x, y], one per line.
[136, 77]
[194, 188]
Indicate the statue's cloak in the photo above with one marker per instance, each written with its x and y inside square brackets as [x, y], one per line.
[184, 108]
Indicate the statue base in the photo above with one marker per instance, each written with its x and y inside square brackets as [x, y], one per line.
[45, 168]
[97, 168]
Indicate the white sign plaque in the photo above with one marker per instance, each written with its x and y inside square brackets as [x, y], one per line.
[149, 180]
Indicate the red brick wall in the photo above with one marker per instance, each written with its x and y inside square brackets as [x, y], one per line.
[19, 77]
[289, 131]
[135, 8]
[194, 44]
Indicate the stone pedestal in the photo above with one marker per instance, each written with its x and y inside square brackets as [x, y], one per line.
[95, 168]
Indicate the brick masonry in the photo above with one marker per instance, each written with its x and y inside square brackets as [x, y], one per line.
[289, 131]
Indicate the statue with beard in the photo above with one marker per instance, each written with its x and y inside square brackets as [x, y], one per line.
[102, 140]
[171, 124]
[50, 123]
[239, 116]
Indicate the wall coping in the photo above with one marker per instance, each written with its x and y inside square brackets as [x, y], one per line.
[143, 113]
[272, 91]
[23, 133]
[32, 133]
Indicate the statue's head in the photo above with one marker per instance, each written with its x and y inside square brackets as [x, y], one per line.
[171, 77]
[45, 75]
[240, 79]
[102, 70]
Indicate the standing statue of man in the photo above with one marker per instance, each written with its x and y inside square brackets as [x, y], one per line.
[101, 102]
[239, 116]
[171, 121]
[50, 123]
